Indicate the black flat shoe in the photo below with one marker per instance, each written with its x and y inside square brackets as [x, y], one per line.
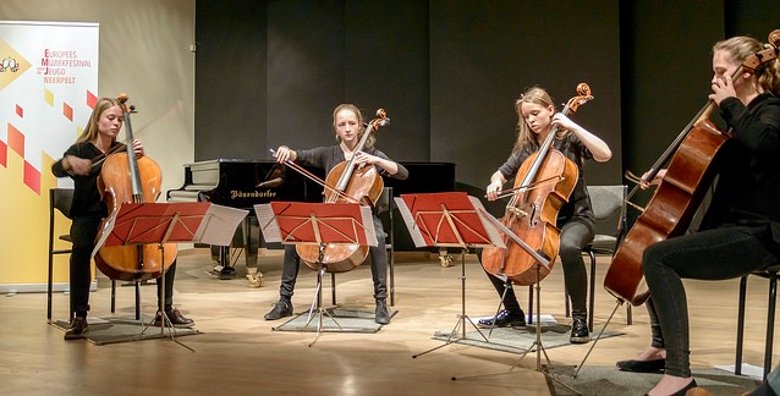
[78, 329]
[685, 390]
[579, 331]
[642, 366]
[688, 387]
[281, 309]
[503, 319]
[381, 314]
[175, 318]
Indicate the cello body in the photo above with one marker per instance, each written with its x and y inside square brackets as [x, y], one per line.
[130, 263]
[366, 184]
[669, 211]
[347, 183]
[533, 218]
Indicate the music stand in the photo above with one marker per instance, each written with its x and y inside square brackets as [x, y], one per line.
[449, 219]
[167, 223]
[541, 261]
[321, 224]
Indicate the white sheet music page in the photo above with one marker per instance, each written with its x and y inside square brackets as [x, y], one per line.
[495, 236]
[105, 231]
[269, 228]
[368, 225]
[406, 214]
[219, 224]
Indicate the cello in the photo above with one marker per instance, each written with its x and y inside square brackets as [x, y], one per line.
[127, 179]
[690, 172]
[542, 186]
[345, 183]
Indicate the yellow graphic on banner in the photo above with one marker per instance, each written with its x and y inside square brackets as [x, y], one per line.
[12, 65]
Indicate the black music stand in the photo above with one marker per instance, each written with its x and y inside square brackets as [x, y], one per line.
[444, 220]
[159, 224]
[321, 224]
[541, 261]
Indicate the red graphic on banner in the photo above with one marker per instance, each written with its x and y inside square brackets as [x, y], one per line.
[91, 100]
[19, 111]
[15, 140]
[3, 154]
[32, 177]
[67, 111]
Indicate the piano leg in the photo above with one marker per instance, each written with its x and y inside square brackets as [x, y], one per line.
[224, 268]
[251, 231]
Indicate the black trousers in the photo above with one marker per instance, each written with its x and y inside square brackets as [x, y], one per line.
[377, 254]
[717, 254]
[575, 235]
[83, 231]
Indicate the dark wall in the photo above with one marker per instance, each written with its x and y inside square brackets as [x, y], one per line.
[230, 79]
[448, 72]
[483, 57]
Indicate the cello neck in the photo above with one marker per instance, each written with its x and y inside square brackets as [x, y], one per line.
[135, 178]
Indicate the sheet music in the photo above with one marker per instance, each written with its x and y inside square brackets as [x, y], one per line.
[269, 228]
[108, 226]
[493, 234]
[406, 214]
[219, 224]
[368, 225]
[516, 239]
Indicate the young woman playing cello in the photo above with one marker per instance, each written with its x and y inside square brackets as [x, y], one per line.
[741, 230]
[536, 118]
[88, 210]
[348, 126]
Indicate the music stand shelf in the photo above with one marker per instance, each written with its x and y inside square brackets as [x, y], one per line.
[136, 224]
[323, 224]
[450, 219]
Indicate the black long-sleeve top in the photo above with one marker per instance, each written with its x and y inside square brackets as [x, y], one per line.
[572, 148]
[327, 157]
[86, 197]
[748, 187]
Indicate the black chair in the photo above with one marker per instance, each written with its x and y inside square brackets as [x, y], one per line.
[384, 208]
[59, 199]
[609, 210]
[771, 274]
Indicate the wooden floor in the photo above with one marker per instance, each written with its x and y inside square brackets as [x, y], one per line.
[239, 354]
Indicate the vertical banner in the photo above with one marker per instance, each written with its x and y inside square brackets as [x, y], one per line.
[48, 87]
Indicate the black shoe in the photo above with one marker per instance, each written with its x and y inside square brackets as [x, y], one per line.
[175, 317]
[381, 314]
[579, 331]
[281, 309]
[78, 329]
[685, 390]
[504, 319]
[642, 366]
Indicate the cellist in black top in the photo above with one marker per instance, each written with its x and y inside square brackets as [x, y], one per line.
[740, 232]
[536, 118]
[348, 126]
[87, 211]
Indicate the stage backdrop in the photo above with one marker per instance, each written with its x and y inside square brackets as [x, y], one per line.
[48, 87]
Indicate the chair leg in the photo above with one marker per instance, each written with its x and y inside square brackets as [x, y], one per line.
[333, 287]
[50, 279]
[629, 315]
[391, 268]
[740, 325]
[530, 305]
[113, 296]
[770, 323]
[591, 291]
[50, 287]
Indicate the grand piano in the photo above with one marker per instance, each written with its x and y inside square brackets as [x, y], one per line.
[244, 183]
